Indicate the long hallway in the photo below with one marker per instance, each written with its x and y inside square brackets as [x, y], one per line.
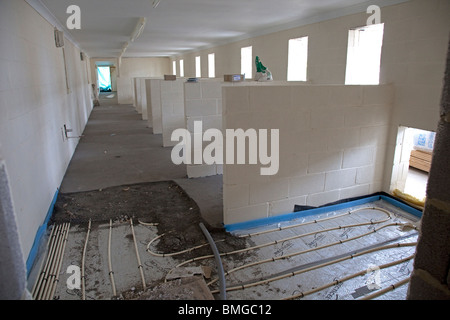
[118, 148]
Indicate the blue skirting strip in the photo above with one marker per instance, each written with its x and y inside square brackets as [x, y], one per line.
[315, 211]
[40, 233]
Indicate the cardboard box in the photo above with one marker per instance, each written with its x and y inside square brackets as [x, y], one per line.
[233, 77]
[170, 77]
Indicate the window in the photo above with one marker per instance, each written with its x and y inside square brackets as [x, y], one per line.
[211, 65]
[364, 55]
[174, 67]
[198, 67]
[247, 62]
[297, 59]
[181, 68]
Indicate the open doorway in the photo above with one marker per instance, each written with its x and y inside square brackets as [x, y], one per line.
[104, 79]
[412, 162]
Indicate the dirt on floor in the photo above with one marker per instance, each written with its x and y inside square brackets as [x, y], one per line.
[163, 203]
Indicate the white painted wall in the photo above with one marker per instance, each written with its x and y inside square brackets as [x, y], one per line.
[34, 106]
[332, 145]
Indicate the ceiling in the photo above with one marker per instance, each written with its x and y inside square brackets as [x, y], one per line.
[178, 26]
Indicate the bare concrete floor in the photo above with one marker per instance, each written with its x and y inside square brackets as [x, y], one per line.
[118, 148]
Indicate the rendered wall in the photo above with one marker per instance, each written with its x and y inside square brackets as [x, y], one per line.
[34, 106]
[203, 102]
[332, 145]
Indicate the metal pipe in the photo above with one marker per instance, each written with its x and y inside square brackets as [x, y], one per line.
[222, 284]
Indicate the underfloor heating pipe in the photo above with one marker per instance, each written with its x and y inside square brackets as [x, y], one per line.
[111, 273]
[140, 267]
[351, 256]
[52, 269]
[83, 277]
[284, 256]
[371, 222]
[50, 245]
[392, 287]
[349, 277]
[42, 293]
[59, 262]
[222, 284]
[273, 259]
[321, 220]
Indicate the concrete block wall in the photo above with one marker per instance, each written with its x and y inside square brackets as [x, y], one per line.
[172, 108]
[137, 95]
[153, 97]
[203, 102]
[146, 113]
[332, 142]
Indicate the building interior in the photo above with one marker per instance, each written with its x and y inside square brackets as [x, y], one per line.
[155, 143]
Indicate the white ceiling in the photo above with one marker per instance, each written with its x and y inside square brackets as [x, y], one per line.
[178, 26]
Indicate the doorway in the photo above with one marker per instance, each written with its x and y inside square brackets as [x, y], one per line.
[104, 79]
[412, 162]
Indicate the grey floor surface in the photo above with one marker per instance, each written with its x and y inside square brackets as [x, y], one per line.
[118, 148]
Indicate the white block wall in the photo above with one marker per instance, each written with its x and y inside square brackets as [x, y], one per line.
[153, 93]
[138, 93]
[146, 114]
[172, 109]
[203, 102]
[332, 145]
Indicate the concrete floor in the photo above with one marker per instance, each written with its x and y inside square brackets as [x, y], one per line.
[117, 148]
[416, 183]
